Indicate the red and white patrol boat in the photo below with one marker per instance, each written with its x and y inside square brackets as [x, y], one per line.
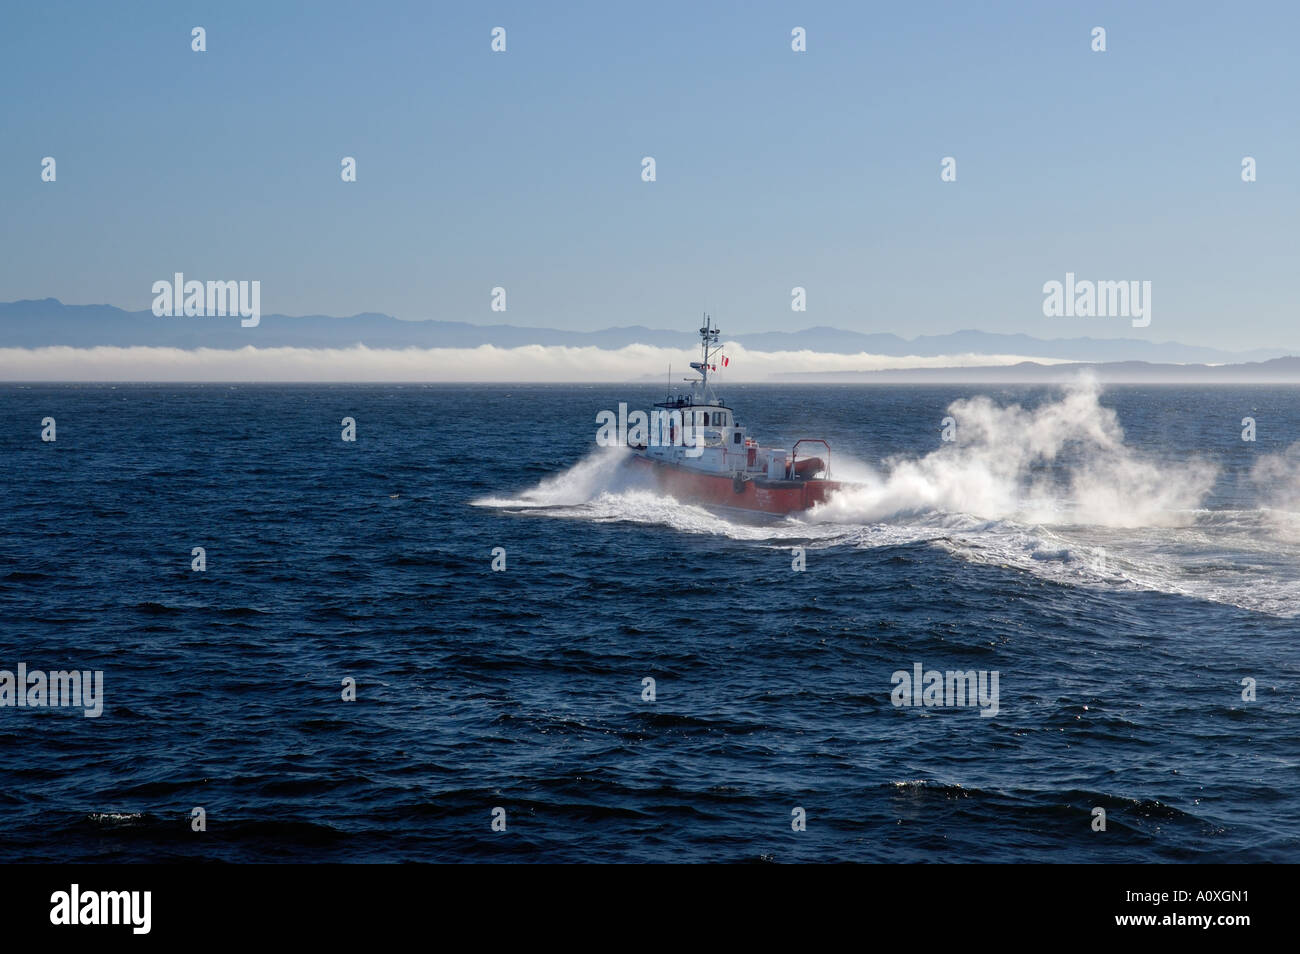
[698, 451]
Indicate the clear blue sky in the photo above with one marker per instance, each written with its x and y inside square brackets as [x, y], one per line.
[775, 169]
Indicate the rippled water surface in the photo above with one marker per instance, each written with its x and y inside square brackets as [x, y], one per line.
[1122, 559]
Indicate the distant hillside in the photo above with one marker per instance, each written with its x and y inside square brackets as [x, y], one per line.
[31, 324]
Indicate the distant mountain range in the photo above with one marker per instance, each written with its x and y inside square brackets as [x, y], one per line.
[44, 322]
[1275, 371]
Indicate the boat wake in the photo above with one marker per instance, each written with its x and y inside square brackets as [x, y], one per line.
[1053, 491]
[599, 472]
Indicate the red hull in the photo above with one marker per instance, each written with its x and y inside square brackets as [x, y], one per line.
[759, 493]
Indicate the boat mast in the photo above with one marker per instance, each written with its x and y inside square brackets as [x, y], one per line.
[708, 347]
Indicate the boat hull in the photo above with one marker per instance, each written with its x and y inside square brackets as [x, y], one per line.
[759, 493]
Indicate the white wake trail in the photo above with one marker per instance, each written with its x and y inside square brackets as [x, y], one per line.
[1053, 491]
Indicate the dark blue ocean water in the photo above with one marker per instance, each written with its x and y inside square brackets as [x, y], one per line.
[1122, 574]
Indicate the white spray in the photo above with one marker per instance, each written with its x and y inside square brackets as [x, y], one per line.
[1001, 466]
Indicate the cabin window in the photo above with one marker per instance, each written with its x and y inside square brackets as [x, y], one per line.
[717, 419]
[736, 438]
